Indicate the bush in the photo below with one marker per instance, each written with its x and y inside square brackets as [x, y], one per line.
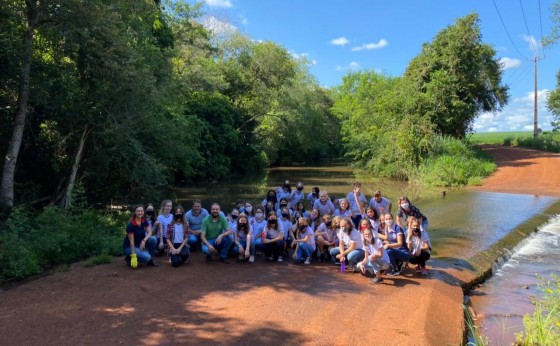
[543, 327]
[35, 242]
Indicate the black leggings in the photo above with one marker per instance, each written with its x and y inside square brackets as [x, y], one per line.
[420, 259]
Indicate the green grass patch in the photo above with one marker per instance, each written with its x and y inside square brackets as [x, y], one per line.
[497, 137]
[97, 260]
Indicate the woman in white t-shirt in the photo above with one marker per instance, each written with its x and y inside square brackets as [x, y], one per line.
[375, 259]
[351, 248]
[177, 236]
[304, 242]
[273, 238]
[164, 218]
[419, 246]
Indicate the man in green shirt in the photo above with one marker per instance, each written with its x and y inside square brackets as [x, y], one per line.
[216, 235]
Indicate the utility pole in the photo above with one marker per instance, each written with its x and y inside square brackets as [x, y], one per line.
[536, 124]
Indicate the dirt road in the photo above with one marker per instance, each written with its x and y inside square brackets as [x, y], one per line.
[523, 171]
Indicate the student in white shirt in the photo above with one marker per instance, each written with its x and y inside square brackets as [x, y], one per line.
[419, 247]
[375, 259]
[177, 236]
[351, 248]
[273, 239]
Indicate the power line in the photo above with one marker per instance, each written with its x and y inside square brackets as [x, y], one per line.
[540, 23]
[527, 27]
[507, 32]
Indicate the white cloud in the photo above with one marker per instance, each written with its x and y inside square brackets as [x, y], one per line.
[517, 116]
[218, 27]
[219, 3]
[244, 20]
[533, 44]
[341, 41]
[369, 46]
[353, 66]
[509, 62]
[303, 56]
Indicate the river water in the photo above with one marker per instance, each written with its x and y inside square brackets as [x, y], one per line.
[462, 224]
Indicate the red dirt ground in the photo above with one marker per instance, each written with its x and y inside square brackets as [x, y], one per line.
[212, 303]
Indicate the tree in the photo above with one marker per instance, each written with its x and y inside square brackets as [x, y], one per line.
[458, 76]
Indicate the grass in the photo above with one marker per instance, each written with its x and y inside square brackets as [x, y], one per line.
[474, 336]
[546, 141]
[497, 137]
[97, 260]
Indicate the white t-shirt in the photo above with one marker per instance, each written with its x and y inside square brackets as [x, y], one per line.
[324, 209]
[354, 237]
[308, 232]
[258, 227]
[179, 235]
[383, 204]
[416, 246]
[372, 249]
[164, 222]
[273, 233]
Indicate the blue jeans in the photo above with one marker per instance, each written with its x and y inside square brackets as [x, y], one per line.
[176, 260]
[375, 266]
[243, 243]
[222, 248]
[396, 256]
[304, 250]
[193, 239]
[353, 257]
[145, 255]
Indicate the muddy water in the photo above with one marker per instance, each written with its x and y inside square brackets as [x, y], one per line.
[461, 225]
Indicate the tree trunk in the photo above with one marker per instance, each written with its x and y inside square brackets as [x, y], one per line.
[67, 200]
[10, 159]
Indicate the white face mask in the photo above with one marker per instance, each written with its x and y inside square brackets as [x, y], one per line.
[405, 205]
[259, 215]
[248, 209]
[389, 222]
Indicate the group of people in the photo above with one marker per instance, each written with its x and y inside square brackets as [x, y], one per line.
[360, 235]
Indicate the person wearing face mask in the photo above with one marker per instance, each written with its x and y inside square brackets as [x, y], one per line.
[376, 259]
[313, 195]
[270, 197]
[419, 247]
[351, 246]
[406, 209]
[366, 225]
[394, 243]
[249, 210]
[323, 204]
[242, 235]
[177, 236]
[325, 237]
[216, 235]
[284, 191]
[232, 219]
[282, 204]
[304, 242]
[297, 195]
[194, 218]
[273, 239]
[286, 223]
[300, 207]
[150, 215]
[258, 224]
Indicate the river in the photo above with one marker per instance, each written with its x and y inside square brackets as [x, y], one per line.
[462, 225]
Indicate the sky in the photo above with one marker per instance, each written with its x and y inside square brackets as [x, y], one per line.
[337, 36]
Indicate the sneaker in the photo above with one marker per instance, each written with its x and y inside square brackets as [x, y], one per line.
[418, 269]
[394, 273]
[307, 260]
[251, 259]
[280, 259]
[400, 266]
[355, 268]
[376, 280]
[224, 260]
[424, 271]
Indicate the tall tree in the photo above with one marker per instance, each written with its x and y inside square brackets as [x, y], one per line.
[459, 76]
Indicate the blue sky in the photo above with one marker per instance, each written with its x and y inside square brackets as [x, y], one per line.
[336, 36]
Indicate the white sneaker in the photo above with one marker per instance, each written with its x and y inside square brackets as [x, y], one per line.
[251, 259]
[307, 260]
[280, 259]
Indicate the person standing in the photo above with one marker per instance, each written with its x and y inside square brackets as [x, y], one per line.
[216, 235]
[357, 202]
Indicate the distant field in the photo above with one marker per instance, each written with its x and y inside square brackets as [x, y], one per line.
[498, 137]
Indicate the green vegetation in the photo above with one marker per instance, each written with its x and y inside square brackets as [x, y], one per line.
[97, 260]
[475, 338]
[496, 137]
[34, 242]
[543, 326]
[412, 127]
[546, 141]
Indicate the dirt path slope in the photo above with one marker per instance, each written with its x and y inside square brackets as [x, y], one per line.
[523, 171]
